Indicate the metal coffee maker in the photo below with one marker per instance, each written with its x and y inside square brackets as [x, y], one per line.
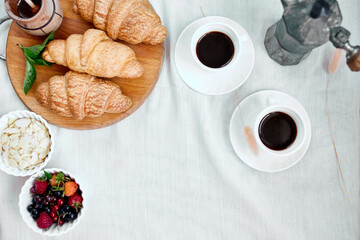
[305, 25]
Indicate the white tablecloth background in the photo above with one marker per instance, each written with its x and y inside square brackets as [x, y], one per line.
[169, 171]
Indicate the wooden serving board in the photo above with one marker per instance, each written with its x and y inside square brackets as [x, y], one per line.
[151, 57]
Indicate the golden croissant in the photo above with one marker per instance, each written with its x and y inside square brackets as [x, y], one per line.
[133, 21]
[80, 95]
[94, 53]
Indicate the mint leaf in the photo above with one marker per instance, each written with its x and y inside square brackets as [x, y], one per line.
[33, 57]
[48, 175]
[35, 51]
[30, 77]
[40, 62]
[28, 53]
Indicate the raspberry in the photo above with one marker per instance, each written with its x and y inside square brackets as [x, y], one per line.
[44, 221]
[40, 186]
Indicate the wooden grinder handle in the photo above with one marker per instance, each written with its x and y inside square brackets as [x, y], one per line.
[354, 63]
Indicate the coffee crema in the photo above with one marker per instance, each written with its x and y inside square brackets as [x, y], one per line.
[215, 49]
[277, 131]
[25, 11]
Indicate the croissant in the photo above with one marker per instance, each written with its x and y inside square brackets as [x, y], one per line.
[80, 95]
[133, 21]
[94, 53]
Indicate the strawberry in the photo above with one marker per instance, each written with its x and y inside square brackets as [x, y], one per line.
[57, 179]
[40, 185]
[44, 221]
[75, 201]
[53, 180]
[70, 188]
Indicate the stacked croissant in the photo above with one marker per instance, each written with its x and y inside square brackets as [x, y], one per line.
[93, 54]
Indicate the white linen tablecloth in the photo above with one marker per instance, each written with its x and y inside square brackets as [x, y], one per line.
[169, 171]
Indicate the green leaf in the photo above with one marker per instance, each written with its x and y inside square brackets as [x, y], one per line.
[28, 53]
[48, 175]
[35, 51]
[60, 176]
[33, 57]
[29, 77]
[58, 188]
[48, 39]
[40, 62]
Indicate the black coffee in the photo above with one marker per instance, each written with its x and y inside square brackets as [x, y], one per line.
[215, 49]
[277, 131]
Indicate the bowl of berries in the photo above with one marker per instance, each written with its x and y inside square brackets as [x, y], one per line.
[51, 202]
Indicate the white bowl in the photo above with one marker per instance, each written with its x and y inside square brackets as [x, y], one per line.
[18, 115]
[25, 199]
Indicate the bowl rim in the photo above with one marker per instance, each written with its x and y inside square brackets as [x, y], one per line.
[54, 230]
[27, 114]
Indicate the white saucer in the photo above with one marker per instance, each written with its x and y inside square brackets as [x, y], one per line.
[248, 110]
[210, 81]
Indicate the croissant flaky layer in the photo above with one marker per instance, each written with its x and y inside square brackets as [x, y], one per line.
[79, 95]
[133, 21]
[94, 53]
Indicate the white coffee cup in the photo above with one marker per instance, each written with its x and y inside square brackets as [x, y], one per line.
[216, 27]
[299, 121]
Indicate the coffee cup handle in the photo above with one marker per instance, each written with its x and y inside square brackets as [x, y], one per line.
[2, 20]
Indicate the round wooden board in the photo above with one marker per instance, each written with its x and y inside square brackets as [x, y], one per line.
[151, 57]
